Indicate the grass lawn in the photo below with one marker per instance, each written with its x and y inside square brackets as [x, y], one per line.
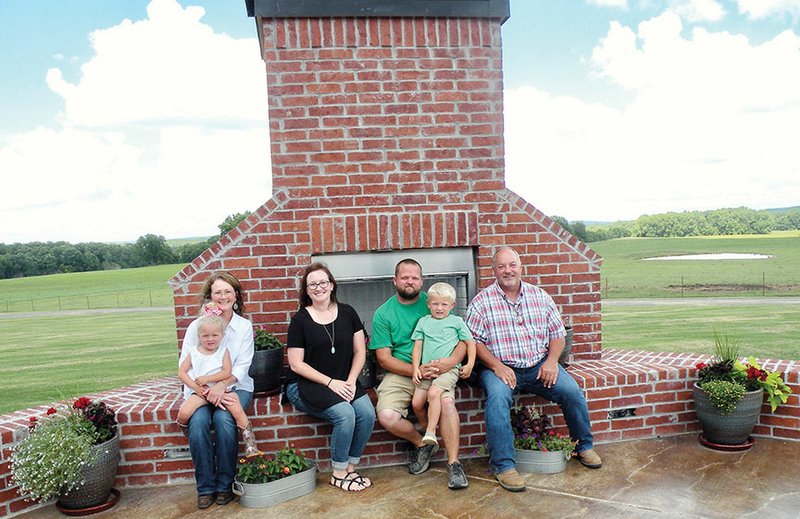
[46, 359]
[625, 275]
[764, 330]
[127, 288]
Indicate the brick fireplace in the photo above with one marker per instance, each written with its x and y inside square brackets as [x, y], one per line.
[386, 135]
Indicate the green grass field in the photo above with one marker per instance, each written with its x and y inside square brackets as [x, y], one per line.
[625, 275]
[128, 288]
[49, 357]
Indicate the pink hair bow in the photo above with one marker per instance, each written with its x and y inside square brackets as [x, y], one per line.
[210, 309]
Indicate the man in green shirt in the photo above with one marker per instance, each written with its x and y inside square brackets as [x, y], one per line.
[392, 325]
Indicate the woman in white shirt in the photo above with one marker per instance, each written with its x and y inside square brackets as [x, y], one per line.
[215, 464]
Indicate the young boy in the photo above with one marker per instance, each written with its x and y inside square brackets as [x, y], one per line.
[435, 337]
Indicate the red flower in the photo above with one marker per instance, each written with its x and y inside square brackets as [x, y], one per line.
[32, 419]
[700, 365]
[52, 410]
[81, 403]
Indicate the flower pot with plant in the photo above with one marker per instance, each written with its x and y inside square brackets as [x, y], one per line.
[71, 453]
[266, 480]
[537, 447]
[267, 365]
[728, 396]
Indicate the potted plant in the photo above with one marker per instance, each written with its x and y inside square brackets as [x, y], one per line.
[265, 480]
[267, 362]
[563, 359]
[728, 396]
[537, 447]
[71, 453]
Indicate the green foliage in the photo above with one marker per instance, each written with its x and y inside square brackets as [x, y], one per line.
[264, 468]
[726, 349]
[231, 221]
[740, 220]
[49, 459]
[771, 382]
[265, 340]
[533, 431]
[153, 250]
[723, 394]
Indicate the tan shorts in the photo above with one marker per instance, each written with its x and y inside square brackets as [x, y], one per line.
[395, 393]
[446, 381]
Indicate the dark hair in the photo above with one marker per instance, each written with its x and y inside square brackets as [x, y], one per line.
[305, 300]
[205, 293]
[407, 261]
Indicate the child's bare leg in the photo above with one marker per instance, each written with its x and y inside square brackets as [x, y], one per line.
[434, 409]
[238, 414]
[418, 402]
[188, 407]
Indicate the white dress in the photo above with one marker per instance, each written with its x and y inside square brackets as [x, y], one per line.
[202, 365]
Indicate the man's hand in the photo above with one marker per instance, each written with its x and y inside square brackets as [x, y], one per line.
[548, 373]
[506, 374]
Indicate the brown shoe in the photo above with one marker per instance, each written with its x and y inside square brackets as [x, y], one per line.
[590, 459]
[205, 501]
[511, 480]
[223, 498]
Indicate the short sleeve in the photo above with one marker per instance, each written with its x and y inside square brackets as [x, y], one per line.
[295, 337]
[476, 322]
[381, 335]
[418, 334]
[463, 331]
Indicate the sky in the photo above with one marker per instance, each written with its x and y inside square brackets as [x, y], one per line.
[613, 109]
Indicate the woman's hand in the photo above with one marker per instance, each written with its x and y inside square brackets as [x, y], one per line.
[342, 388]
[215, 393]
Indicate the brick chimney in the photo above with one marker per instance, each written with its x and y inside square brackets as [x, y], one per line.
[386, 134]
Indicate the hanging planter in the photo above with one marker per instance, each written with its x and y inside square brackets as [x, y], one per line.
[267, 365]
[563, 359]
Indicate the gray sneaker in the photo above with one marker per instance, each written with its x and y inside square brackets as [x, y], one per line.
[456, 478]
[422, 458]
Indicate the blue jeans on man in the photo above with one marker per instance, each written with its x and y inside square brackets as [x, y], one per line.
[222, 454]
[352, 426]
[497, 410]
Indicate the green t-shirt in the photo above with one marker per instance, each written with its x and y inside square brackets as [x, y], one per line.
[393, 323]
[440, 336]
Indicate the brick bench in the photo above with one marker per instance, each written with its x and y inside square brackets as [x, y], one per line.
[632, 395]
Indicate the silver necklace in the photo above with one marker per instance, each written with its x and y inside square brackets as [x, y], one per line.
[331, 335]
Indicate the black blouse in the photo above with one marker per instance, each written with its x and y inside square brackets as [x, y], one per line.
[333, 360]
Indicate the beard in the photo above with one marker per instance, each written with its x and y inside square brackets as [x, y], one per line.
[408, 293]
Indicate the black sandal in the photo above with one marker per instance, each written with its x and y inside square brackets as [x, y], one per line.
[341, 482]
[358, 478]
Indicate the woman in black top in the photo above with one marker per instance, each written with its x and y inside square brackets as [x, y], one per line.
[326, 350]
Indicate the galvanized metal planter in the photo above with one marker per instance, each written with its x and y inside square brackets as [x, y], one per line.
[550, 462]
[262, 495]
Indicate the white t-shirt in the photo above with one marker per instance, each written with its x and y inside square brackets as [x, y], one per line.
[238, 340]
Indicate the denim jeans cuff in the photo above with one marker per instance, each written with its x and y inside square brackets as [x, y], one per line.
[353, 461]
[339, 465]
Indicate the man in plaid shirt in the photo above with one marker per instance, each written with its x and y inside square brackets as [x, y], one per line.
[519, 336]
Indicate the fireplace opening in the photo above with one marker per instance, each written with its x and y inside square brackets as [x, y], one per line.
[365, 279]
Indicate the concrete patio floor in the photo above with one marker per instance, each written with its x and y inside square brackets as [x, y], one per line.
[670, 477]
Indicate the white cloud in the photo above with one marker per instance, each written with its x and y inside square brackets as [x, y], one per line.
[168, 118]
[622, 4]
[758, 9]
[698, 10]
[711, 125]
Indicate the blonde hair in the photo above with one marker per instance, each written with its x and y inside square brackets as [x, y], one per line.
[211, 320]
[443, 290]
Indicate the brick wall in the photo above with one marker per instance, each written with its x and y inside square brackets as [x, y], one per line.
[387, 134]
[655, 386]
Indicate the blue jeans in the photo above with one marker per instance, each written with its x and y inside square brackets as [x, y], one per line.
[223, 455]
[352, 426]
[497, 410]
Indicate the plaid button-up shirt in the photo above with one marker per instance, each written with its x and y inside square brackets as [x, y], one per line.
[518, 333]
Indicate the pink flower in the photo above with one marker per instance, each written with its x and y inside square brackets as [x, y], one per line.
[212, 309]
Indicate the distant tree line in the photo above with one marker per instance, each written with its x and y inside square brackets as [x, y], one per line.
[739, 220]
[41, 258]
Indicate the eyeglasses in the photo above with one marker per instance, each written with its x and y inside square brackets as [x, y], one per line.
[319, 284]
[517, 310]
